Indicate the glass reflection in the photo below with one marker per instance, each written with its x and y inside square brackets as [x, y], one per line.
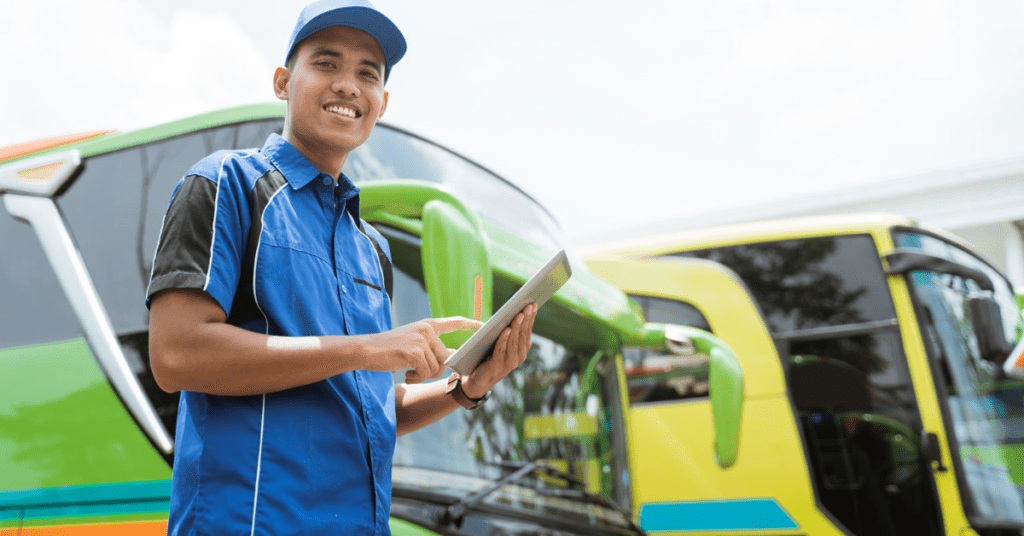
[391, 154]
[986, 407]
[556, 408]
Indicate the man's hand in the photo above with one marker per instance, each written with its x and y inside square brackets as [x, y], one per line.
[417, 346]
[509, 352]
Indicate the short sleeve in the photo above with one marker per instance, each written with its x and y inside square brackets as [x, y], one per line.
[202, 241]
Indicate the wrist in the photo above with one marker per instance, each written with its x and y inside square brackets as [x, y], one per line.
[464, 399]
[472, 390]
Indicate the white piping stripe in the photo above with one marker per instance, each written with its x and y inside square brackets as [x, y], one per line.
[259, 462]
[256, 256]
[216, 205]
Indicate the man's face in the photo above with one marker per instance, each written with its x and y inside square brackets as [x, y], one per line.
[335, 92]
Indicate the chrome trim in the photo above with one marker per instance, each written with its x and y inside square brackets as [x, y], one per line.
[835, 331]
[9, 181]
[42, 214]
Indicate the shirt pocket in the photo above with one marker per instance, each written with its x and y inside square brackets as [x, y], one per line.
[365, 303]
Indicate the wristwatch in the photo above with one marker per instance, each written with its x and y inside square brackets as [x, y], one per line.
[455, 390]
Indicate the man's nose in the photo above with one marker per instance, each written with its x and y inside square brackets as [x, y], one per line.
[345, 84]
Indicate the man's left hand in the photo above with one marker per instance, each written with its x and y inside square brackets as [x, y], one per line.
[509, 352]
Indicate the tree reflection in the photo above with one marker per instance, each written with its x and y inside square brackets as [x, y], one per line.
[811, 283]
[792, 283]
[540, 389]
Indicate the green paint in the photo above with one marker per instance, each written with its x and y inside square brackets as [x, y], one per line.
[726, 392]
[62, 425]
[611, 316]
[404, 528]
[122, 140]
[1010, 457]
[455, 258]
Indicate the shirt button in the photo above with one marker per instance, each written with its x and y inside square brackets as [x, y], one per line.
[343, 289]
[327, 181]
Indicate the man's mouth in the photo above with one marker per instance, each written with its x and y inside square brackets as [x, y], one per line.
[348, 112]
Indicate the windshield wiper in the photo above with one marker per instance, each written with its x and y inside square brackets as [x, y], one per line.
[454, 513]
[592, 498]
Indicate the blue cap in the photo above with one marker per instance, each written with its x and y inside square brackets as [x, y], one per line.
[359, 14]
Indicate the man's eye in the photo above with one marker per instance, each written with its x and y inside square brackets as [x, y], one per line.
[370, 74]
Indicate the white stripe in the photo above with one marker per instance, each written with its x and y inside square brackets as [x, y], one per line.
[256, 256]
[216, 206]
[259, 462]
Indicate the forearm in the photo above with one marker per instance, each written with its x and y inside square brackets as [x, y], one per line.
[222, 359]
[421, 404]
[192, 348]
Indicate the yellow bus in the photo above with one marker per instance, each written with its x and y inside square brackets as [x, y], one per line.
[874, 404]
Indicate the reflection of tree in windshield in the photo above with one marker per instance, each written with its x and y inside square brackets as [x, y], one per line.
[811, 283]
[535, 389]
[791, 283]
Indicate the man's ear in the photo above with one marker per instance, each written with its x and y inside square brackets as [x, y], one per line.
[383, 106]
[281, 77]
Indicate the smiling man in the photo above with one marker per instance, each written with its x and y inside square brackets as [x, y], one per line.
[270, 311]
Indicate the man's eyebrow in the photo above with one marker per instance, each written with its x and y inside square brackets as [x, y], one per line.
[376, 65]
[327, 51]
[324, 51]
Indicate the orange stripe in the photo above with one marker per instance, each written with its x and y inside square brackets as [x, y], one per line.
[478, 298]
[143, 528]
[11, 152]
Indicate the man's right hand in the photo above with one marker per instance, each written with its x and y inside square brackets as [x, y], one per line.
[417, 346]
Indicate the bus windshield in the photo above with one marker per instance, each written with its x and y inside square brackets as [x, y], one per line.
[561, 408]
[393, 154]
[984, 408]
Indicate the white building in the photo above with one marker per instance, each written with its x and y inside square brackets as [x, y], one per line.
[982, 203]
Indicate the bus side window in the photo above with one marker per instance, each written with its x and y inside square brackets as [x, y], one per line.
[653, 376]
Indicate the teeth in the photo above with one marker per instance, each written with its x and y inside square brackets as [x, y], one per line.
[341, 110]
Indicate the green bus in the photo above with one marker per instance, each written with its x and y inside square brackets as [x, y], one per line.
[87, 438]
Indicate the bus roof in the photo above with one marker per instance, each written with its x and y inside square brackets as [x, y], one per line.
[757, 231]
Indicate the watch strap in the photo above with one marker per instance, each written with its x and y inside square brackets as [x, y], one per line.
[455, 390]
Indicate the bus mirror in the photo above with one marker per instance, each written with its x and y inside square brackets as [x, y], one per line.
[987, 323]
[456, 267]
[726, 385]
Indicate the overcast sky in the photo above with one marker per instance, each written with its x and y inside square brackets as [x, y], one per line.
[612, 114]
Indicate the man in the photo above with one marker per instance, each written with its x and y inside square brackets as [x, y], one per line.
[269, 311]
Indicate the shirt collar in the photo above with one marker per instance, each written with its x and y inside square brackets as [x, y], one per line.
[296, 168]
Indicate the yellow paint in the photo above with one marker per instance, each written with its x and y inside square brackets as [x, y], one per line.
[576, 424]
[670, 452]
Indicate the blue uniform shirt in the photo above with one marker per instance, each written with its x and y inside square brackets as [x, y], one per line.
[283, 251]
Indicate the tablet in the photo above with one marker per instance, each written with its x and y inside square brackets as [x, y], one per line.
[537, 290]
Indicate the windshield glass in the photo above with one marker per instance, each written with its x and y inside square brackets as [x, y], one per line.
[561, 407]
[984, 406]
[392, 154]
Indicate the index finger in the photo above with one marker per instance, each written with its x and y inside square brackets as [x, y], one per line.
[453, 323]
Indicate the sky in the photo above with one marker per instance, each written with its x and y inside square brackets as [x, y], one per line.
[613, 115]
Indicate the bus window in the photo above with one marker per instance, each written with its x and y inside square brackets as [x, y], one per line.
[827, 305]
[114, 211]
[653, 376]
[984, 407]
